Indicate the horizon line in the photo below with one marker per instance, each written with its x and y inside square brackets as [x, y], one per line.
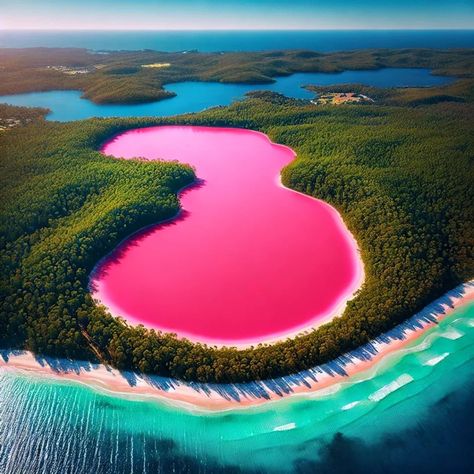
[239, 29]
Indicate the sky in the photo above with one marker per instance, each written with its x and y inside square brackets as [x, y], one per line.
[236, 14]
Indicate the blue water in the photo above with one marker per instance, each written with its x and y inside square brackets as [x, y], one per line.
[413, 413]
[239, 40]
[197, 96]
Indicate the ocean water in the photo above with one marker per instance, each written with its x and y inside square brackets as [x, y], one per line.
[197, 96]
[412, 412]
[255, 260]
[325, 41]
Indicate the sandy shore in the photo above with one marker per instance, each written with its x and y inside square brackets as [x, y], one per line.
[218, 397]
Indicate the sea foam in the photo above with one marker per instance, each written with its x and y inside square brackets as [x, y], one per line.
[452, 334]
[391, 387]
[351, 405]
[437, 359]
[288, 426]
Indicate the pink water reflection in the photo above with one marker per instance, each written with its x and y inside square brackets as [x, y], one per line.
[248, 260]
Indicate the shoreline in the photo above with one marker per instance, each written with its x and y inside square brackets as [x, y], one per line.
[337, 307]
[221, 397]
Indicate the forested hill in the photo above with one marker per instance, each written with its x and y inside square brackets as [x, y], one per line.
[139, 76]
[401, 177]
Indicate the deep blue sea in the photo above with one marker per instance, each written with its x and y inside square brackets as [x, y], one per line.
[334, 40]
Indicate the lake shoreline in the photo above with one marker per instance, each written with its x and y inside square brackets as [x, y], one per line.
[221, 397]
[201, 95]
[336, 309]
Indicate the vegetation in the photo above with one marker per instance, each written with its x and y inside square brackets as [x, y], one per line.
[401, 177]
[118, 77]
[459, 91]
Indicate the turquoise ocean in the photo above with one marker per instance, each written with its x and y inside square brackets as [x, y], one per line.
[413, 411]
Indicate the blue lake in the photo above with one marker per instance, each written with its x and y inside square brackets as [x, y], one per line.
[197, 96]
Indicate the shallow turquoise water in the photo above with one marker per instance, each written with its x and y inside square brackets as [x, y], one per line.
[197, 96]
[413, 410]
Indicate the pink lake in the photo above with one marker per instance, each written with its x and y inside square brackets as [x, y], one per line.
[246, 261]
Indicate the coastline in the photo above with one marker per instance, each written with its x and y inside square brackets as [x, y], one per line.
[221, 397]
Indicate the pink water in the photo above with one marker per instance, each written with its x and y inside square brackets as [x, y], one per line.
[246, 261]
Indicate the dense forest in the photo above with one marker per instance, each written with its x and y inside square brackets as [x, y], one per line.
[139, 76]
[400, 176]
